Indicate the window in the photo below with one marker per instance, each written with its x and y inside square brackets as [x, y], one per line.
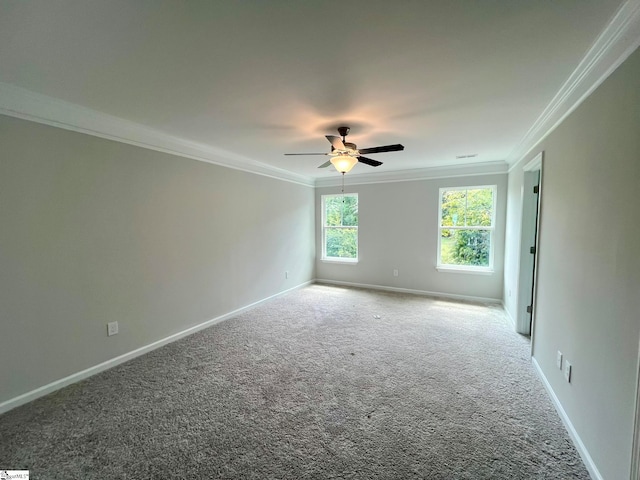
[465, 231]
[340, 227]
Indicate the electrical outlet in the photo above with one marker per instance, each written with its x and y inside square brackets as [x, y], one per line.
[395, 272]
[567, 371]
[286, 274]
[559, 360]
[112, 328]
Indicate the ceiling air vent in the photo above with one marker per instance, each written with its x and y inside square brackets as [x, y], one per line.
[471, 155]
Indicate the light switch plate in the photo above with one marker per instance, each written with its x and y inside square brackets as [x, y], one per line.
[559, 360]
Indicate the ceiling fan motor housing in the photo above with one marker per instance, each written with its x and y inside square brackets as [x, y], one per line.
[343, 131]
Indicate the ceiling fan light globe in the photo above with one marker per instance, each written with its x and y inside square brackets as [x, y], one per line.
[344, 163]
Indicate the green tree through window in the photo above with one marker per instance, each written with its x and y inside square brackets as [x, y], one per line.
[466, 226]
[340, 226]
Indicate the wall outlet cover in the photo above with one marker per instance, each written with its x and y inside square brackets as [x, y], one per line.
[112, 328]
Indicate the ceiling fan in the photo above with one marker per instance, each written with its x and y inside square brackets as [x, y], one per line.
[345, 155]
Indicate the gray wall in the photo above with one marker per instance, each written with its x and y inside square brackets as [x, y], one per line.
[94, 231]
[588, 284]
[398, 228]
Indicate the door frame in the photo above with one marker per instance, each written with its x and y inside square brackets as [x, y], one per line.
[529, 227]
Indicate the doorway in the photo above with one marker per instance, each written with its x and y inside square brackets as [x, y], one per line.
[531, 194]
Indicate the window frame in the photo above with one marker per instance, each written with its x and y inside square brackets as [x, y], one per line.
[325, 258]
[475, 269]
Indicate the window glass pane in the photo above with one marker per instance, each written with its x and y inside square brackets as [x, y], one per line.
[341, 211]
[465, 247]
[479, 207]
[446, 247]
[453, 208]
[341, 242]
[333, 211]
[349, 210]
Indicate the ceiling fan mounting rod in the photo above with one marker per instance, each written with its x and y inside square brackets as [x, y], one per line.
[343, 131]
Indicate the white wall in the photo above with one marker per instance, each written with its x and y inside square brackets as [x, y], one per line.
[512, 242]
[94, 231]
[588, 283]
[398, 228]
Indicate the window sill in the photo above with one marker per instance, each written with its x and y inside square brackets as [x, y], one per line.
[344, 261]
[469, 270]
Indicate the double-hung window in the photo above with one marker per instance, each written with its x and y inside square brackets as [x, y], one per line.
[466, 228]
[340, 227]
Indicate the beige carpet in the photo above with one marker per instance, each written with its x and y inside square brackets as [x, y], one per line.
[321, 383]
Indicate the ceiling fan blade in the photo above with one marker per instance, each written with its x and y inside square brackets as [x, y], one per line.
[306, 154]
[369, 161]
[385, 148]
[325, 164]
[336, 142]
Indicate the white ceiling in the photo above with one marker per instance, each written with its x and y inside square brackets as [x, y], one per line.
[261, 78]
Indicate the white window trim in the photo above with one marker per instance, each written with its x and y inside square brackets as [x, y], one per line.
[345, 261]
[324, 258]
[469, 269]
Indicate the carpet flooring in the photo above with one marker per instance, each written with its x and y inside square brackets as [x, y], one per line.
[320, 383]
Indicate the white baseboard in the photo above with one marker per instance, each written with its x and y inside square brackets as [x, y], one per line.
[577, 441]
[509, 317]
[425, 293]
[76, 377]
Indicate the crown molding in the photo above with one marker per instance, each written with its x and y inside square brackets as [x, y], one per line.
[430, 173]
[21, 103]
[18, 102]
[617, 41]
